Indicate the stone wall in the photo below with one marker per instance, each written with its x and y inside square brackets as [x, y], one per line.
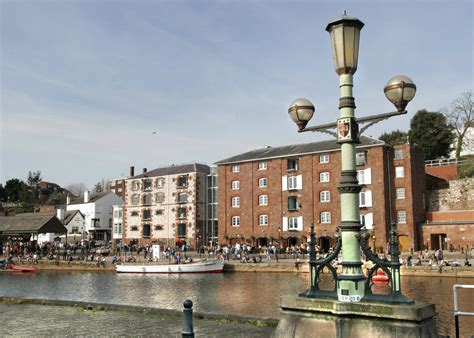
[459, 196]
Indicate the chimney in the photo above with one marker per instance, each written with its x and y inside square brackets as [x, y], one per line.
[132, 171]
[60, 214]
[144, 170]
[86, 196]
[68, 200]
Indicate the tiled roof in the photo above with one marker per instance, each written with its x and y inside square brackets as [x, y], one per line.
[174, 170]
[296, 149]
[31, 222]
[92, 197]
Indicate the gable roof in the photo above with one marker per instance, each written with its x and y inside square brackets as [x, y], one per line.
[297, 149]
[174, 170]
[69, 215]
[31, 223]
[92, 197]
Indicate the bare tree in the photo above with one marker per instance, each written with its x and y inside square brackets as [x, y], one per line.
[461, 116]
[77, 188]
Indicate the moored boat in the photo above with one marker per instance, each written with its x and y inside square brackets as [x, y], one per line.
[22, 268]
[199, 267]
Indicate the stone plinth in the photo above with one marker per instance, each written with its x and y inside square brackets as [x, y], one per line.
[324, 317]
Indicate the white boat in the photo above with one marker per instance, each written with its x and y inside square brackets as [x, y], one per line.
[200, 267]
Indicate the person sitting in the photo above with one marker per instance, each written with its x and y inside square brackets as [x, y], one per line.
[466, 262]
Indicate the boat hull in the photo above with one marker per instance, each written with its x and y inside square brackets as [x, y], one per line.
[207, 267]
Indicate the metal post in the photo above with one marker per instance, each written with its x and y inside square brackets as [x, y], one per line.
[187, 329]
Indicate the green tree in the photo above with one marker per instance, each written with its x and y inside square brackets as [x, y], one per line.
[3, 193]
[33, 178]
[461, 116]
[394, 137]
[467, 168]
[13, 188]
[431, 131]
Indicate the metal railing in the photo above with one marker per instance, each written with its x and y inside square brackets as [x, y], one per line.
[458, 313]
[442, 161]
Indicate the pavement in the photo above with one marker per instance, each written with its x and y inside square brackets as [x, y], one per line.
[62, 319]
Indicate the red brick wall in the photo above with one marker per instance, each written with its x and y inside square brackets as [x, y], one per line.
[447, 172]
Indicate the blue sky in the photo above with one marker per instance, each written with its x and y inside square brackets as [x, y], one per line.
[84, 84]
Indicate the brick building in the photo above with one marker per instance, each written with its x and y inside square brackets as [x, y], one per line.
[166, 205]
[273, 194]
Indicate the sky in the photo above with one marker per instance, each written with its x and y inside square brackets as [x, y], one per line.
[90, 88]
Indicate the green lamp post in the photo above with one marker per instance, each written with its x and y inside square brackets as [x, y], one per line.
[344, 33]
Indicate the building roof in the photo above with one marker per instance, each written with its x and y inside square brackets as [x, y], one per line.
[175, 170]
[69, 215]
[92, 197]
[31, 223]
[297, 149]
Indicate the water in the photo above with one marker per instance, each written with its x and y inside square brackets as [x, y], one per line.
[245, 294]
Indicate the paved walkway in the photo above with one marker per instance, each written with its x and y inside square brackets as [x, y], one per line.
[62, 320]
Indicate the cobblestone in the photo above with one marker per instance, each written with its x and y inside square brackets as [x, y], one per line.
[29, 320]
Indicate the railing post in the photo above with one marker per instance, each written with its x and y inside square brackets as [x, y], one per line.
[187, 329]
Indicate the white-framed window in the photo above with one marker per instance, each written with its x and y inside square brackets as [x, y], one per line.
[135, 199]
[235, 202]
[400, 193]
[324, 177]
[263, 200]
[293, 223]
[325, 196]
[367, 220]
[262, 166]
[401, 216]
[262, 182]
[235, 185]
[325, 217]
[236, 168]
[292, 182]
[263, 220]
[364, 176]
[399, 172]
[324, 158]
[235, 221]
[398, 154]
[365, 199]
[160, 182]
[159, 197]
[135, 185]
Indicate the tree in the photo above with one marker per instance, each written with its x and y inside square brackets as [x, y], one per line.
[431, 131]
[33, 178]
[13, 188]
[3, 193]
[77, 188]
[461, 117]
[394, 137]
[98, 187]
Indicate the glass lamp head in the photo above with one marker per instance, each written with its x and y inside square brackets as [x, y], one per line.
[301, 111]
[400, 90]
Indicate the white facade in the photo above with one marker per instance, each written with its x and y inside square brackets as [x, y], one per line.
[117, 231]
[97, 211]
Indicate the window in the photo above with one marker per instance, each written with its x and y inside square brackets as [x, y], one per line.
[182, 181]
[365, 199]
[159, 212]
[292, 203]
[160, 197]
[367, 220]
[236, 221]
[262, 182]
[262, 200]
[235, 202]
[399, 154]
[147, 214]
[135, 185]
[147, 184]
[324, 158]
[399, 172]
[134, 228]
[400, 193]
[181, 213]
[158, 227]
[134, 213]
[364, 176]
[361, 158]
[135, 199]
[401, 216]
[325, 196]
[292, 164]
[235, 185]
[262, 166]
[182, 230]
[324, 177]
[75, 230]
[325, 217]
[292, 182]
[293, 223]
[263, 220]
[182, 197]
[147, 199]
[146, 230]
[160, 182]
[236, 169]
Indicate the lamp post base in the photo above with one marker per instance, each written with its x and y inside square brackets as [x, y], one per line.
[324, 317]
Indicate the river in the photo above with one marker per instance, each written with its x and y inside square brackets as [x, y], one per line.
[245, 294]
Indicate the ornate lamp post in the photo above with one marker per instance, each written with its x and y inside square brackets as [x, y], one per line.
[344, 33]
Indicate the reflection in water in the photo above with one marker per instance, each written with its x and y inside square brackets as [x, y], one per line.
[245, 294]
